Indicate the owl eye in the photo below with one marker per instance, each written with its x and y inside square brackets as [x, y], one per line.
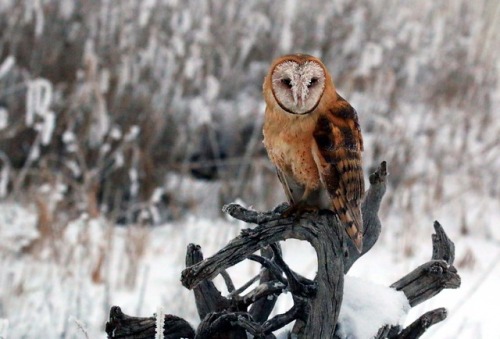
[287, 82]
[312, 82]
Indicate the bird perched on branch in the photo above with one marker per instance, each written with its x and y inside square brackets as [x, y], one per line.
[313, 137]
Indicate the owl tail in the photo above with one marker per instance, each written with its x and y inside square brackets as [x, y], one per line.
[349, 213]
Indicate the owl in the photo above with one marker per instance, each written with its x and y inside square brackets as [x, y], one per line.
[312, 136]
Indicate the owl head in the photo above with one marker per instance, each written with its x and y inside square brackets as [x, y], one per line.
[297, 83]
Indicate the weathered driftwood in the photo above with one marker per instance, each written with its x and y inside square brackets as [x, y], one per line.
[328, 243]
[316, 303]
[424, 283]
[208, 299]
[419, 326]
[323, 231]
[432, 277]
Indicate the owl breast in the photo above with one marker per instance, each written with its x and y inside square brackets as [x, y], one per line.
[290, 150]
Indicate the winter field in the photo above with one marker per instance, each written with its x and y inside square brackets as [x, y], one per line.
[126, 125]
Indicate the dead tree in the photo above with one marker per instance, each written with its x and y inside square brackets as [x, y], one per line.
[316, 302]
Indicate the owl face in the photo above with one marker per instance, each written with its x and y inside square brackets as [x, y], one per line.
[298, 86]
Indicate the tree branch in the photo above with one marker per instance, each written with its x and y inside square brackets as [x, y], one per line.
[262, 291]
[269, 265]
[221, 325]
[284, 228]
[442, 247]
[419, 326]
[324, 233]
[427, 280]
[207, 297]
[432, 277]
[322, 230]
[262, 308]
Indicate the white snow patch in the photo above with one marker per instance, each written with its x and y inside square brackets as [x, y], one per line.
[47, 128]
[38, 99]
[4, 118]
[68, 137]
[116, 132]
[74, 168]
[17, 227]
[119, 159]
[367, 307]
[200, 113]
[212, 88]
[371, 58]
[7, 65]
[4, 326]
[157, 195]
[132, 133]
[4, 175]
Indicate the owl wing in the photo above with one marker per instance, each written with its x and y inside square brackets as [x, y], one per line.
[337, 152]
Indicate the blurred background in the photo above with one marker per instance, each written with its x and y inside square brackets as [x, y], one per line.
[126, 125]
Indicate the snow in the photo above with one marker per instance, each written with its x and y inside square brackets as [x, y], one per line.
[367, 307]
[6, 65]
[142, 272]
[47, 128]
[286, 39]
[132, 133]
[371, 58]
[38, 99]
[4, 118]
[17, 227]
[4, 327]
[4, 176]
[200, 113]
[115, 133]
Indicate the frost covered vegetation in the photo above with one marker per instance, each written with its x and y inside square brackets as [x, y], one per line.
[145, 112]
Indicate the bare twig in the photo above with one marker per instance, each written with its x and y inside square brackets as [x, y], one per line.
[272, 267]
[246, 285]
[262, 291]
[262, 308]
[298, 288]
[227, 280]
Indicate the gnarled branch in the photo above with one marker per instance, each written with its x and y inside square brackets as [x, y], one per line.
[326, 235]
[316, 303]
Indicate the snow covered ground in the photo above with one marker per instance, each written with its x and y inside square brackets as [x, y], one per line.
[99, 265]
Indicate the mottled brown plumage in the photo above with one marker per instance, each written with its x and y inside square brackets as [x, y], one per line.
[313, 137]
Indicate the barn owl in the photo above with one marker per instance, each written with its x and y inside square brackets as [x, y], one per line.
[313, 137]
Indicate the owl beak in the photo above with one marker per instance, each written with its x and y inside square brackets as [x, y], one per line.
[300, 98]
